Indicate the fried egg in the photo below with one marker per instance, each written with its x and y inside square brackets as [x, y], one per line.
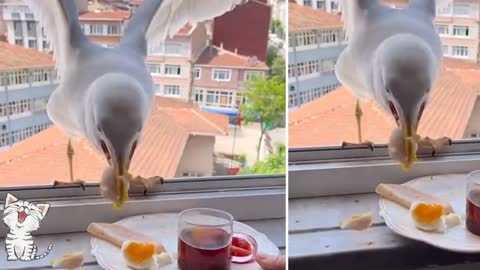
[138, 255]
[428, 216]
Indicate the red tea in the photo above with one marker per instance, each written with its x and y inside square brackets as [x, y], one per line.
[204, 249]
[473, 212]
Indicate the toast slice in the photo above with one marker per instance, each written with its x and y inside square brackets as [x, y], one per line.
[405, 196]
[117, 234]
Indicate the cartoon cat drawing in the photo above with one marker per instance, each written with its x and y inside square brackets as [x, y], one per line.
[23, 218]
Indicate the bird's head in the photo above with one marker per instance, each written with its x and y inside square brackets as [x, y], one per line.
[404, 74]
[116, 123]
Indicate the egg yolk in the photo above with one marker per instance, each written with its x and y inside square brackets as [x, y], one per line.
[139, 252]
[428, 213]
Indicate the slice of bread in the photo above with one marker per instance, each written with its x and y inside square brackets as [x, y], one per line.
[406, 196]
[117, 234]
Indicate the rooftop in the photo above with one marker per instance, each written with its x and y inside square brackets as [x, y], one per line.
[116, 15]
[331, 118]
[302, 18]
[42, 158]
[13, 57]
[218, 57]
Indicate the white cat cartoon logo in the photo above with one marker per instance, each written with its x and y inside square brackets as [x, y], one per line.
[23, 218]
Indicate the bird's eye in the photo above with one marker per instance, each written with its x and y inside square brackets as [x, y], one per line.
[422, 108]
[99, 129]
[132, 151]
[394, 111]
[105, 150]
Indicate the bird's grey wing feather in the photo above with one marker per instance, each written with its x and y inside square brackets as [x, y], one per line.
[353, 12]
[156, 19]
[347, 73]
[59, 18]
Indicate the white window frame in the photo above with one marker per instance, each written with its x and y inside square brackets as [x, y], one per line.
[265, 194]
[197, 73]
[465, 6]
[169, 68]
[171, 90]
[443, 27]
[325, 171]
[462, 31]
[215, 71]
[252, 73]
[457, 49]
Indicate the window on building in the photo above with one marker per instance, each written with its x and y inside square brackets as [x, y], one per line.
[173, 70]
[199, 96]
[460, 30]
[307, 3]
[155, 68]
[442, 29]
[171, 90]
[445, 9]
[223, 75]
[460, 51]
[32, 44]
[157, 89]
[32, 29]
[329, 37]
[321, 4]
[197, 73]
[445, 49]
[19, 42]
[173, 48]
[96, 29]
[113, 29]
[15, 16]
[305, 38]
[17, 77]
[328, 66]
[17, 28]
[461, 9]
[249, 74]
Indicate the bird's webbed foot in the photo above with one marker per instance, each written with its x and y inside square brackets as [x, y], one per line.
[78, 182]
[434, 144]
[147, 183]
[363, 144]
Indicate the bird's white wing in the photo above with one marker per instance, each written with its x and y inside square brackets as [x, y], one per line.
[59, 18]
[160, 19]
[352, 11]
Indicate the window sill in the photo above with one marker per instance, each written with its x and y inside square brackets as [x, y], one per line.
[80, 241]
[316, 242]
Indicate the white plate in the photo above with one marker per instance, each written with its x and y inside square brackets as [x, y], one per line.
[450, 187]
[163, 228]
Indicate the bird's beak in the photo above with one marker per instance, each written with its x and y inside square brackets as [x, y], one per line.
[409, 131]
[120, 166]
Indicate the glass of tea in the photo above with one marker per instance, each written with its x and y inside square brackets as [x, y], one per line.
[473, 202]
[204, 239]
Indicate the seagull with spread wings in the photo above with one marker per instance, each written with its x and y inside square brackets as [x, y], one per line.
[393, 56]
[105, 94]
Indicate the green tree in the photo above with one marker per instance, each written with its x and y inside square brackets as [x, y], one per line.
[278, 68]
[273, 164]
[277, 27]
[265, 103]
[272, 54]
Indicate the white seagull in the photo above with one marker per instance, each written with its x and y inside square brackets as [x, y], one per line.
[106, 94]
[394, 57]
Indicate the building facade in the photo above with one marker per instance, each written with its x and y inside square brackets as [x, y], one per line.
[25, 86]
[314, 47]
[23, 29]
[325, 5]
[457, 25]
[171, 62]
[104, 27]
[219, 78]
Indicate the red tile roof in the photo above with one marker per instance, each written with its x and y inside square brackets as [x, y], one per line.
[13, 56]
[302, 18]
[329, 120]
[218, 57]
[117, 15]
[42, 157]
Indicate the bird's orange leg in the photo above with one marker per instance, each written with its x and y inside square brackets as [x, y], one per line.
[358, 117]
[70, 153]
